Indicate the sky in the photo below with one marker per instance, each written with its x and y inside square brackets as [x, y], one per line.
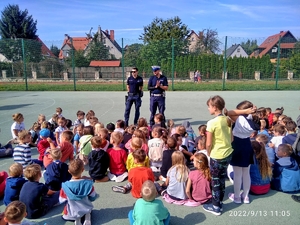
[240, 20]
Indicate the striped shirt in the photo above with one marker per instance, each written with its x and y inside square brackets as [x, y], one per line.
[22, 155]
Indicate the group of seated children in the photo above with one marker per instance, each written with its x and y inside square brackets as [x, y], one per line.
[274, 163]
[170, 159]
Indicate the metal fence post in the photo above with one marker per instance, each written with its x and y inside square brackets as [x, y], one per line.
[278, 63]
[73, 63]
[173, 64]
[123, 72]
[224, 69]
[24, 64]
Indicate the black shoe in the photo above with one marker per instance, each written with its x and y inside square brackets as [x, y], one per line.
[296, 198]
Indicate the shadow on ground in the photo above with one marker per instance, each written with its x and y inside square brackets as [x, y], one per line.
[190, 219]
[11, 107]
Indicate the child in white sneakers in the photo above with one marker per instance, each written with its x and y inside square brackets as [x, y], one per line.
[79, 194]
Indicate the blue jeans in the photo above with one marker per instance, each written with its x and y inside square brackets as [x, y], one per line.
[131, 220]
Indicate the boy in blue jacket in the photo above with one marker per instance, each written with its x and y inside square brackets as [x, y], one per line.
[56, 172]
[79, 194]
[14, 183]
[286, 172]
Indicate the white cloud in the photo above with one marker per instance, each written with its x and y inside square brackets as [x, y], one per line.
[244, 10]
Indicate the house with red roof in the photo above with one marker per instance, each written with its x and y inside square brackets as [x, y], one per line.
[82, 43]
[45, 50]
[102, 63]
[79, 43]
[270, 45]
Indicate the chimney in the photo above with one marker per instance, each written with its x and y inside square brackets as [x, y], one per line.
[112, 35]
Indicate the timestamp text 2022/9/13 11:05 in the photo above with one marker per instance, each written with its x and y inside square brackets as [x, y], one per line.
[257, 213]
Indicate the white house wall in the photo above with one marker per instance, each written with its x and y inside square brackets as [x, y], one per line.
[242, 53]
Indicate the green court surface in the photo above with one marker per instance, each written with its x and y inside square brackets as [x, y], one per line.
[112, 208]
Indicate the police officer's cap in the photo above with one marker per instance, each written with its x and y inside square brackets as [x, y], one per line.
[155, 68]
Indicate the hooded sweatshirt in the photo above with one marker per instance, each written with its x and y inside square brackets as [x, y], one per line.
[79, 194]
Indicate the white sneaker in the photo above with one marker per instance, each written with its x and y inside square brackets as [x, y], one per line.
[111, 176]
[155, 169]
[121, 177]
[87, 222]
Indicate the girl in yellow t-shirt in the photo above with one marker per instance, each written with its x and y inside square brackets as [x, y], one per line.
[218, 146]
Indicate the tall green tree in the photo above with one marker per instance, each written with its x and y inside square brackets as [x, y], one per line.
[157, 38]
[132, 54]
[97, 50]
[161, 29]
[80, 60]
[16, 23]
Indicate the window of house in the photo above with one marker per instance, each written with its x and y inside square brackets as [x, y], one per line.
[238, 50]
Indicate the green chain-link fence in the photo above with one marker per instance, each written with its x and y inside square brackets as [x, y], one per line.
[274, 58]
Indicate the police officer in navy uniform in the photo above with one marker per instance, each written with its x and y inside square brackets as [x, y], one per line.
[135, 94]
[157, 86]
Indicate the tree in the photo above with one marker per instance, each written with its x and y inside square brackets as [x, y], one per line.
[55, 50]
[16, 23]
[161, 29]
[80, 60]
[297, 47]
[13, 50]
[131, 55]
[97, 50]
[249, 46]
[208, 42]
[158, 36]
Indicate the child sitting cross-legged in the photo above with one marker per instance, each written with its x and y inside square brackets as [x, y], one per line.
[98, 161]
[198, 185]
[14, 183]
[177, 177]
[22, 152]
[65, 147]
[286, 172]
[167, 158]
[136, 176]
[118, 157]
[56, 172]
[260, 170]
[40, 200]
[148, 210]
[79, 194]
[85, 146]
[103, 133]
[136, 144]
[43, 144]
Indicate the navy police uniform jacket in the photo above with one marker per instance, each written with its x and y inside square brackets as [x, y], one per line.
[152, 83]
[134, 84]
